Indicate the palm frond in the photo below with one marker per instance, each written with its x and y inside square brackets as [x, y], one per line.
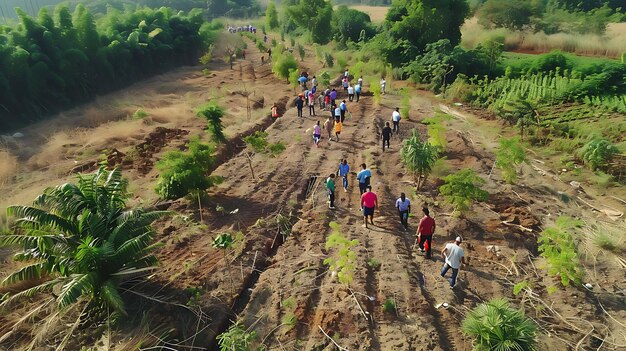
[133, 248]
[30, 272]
[42, 217]
[30, 292]
[112, 298]
[79, 285]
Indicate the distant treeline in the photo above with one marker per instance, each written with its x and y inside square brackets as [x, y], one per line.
[53, 62]
[363, 2]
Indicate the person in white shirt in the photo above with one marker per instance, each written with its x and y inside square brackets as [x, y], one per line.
[350, 93]
[395, 118]
[383, 83]
[454, 256]
[404, 208]
[360, 81]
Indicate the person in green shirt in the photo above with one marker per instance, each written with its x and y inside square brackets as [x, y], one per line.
[330, 187]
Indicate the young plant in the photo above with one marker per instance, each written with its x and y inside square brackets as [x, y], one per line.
[237, 338]
[301, 52]
[461, 188]
[373, 263]
[519, 287]
[508, 158]
[418, 157]
[140, 114]
[224, 242]
[257, 143]
[598, 153]
[324, 79]
[389, 306]
[283, 63]
[557, 246]
[343, 260]
[213, 114]
[495, 325]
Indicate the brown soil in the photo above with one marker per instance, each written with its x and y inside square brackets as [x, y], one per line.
[281, 222]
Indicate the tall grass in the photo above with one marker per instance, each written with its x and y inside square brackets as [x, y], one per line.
[612, 44]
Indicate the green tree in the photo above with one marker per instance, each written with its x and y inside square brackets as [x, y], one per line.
[349, 23]
[509, 156]
[186, 173]
[461, 188]
[495, 325]
[81, 238]
[418, 157]
[511, 14]
[598, 153]
[557, 246]
[271, 15]
[283, 63]
[411, 24]
[314, 16]
[213, 114]
[521, 112]
[343, 260]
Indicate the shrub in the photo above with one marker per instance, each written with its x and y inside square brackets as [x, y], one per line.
[213, 114]
[343, 259]
[283, 63]
[463, 187]
[557, 246]
[140, 114]
[508, 157]
[598, 152]
[418, 157]
[324, 79]
[236, 338]
[183, 173]
[329, 60]
[494, 325]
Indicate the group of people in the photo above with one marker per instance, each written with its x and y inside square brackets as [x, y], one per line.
[452, 252]
[247, 28]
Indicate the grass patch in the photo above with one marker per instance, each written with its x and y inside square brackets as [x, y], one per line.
[389, 306]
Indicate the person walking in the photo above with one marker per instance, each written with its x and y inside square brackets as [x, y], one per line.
[357, 91]
[360, 81]
[344, 170]
[369, 202]
[274, 110]
[317, 134]
[383, 84]
[311, 104]
[363, 176]
[345, 83]
[454, 257]
[350, 93]
[386, 135]
[337, 113]
[314, 82]
[346, 74]
[395, 118]
[343, 108]
[338, 127]
[328, 126]
[300, 104]
[404, 208]
[425, 232]
[330, 188]
[333, 96]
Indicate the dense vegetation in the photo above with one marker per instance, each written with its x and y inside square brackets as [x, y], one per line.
[55, 61]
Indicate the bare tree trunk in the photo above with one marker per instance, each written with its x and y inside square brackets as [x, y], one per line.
[200, 207]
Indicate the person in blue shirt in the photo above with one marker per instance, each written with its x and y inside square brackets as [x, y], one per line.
[343, 109]
[344, 170]
[404, 208]
[364, 178]
[357, 91]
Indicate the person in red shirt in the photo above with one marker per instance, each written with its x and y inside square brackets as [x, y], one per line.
[369, 202]
[425, 232]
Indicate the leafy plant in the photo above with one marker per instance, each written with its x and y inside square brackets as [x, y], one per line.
[224, 242]
[598, 153]
[557, 246]
[494, 325]
[508, 157]
[461, 188]
[389, 306]
[183, 173]
[81, 238]
[607, 242]
[140, 114]
[257, 143]
[373, 263]
[343, 259]
[324, 79]
[283, 63]
[301, 52]
[237, 338]
[519, 287]
[418, 157]
[213, 114]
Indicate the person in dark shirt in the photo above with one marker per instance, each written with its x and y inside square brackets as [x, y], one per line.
[300, 105]
[386, 135]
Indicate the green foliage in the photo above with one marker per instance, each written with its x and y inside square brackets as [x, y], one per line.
[389, 306]
[557, 246]
[314, 16]
[329, 60]
[324, 79]
[509, 156]
[495, 325]
[463, 187]
[261, 46]
[140, 114]
[411, 24]
[520, 112]
[183, 173]
[343, 260]
[418, 157]
[301, 51]
[598, 153]
[512, 14]
[213, 114]
[223, 241]
[519, 287]
[373, 263]
[294, 75]
[405, 103]
[607, 242]
[237, 338]
[80, 241]
[49, 65]
[283, 63]
[258, 143]
[349, 23]
[271, 15]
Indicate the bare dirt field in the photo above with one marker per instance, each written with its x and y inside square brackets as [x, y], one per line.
[274, 281]
[377, 13]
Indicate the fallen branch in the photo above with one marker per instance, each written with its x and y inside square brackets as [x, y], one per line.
[517, 226]
[331, 339]
[617, 198]
[359, 305]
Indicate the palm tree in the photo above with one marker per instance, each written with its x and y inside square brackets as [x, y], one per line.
[82, 238]
[418, 157]
[497, 326]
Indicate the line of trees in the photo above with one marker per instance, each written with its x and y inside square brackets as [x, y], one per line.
[57, 60]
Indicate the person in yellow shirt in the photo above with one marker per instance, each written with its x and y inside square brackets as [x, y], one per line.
[338, 126]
